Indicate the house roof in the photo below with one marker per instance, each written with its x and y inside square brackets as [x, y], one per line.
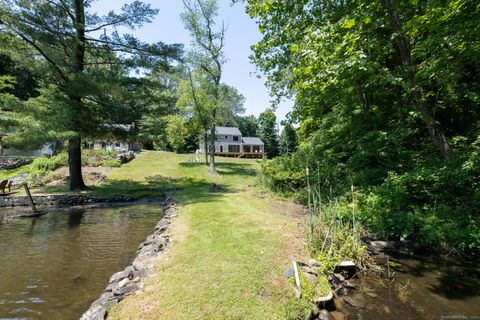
[228, 131]
[252, 140]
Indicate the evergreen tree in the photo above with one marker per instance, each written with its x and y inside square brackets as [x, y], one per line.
[83, 74]
[248, 125]
[267, 131]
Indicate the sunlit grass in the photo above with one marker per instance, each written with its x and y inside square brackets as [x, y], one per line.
[230, 247]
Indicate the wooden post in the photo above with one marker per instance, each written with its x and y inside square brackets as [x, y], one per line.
[32, 204]
[297, 277]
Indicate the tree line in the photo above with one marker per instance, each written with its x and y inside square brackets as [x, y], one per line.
[69, 73]
[387, 100]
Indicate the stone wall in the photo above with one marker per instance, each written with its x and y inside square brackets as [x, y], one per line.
[130, 280]
[61, 200]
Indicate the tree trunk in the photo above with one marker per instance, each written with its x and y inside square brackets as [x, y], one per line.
[212, 150]
[432, 125]
[78, 65]
[1, 146]
[205, 146]
[75, 164]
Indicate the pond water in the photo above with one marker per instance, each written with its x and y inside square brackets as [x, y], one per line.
[54, 266]
[432, 287]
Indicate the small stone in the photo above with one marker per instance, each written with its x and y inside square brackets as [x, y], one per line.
[301, 263]
[324, 315]
[323, 299]
[123, 282]
[314, 263]
[309, 270]
[121, 274]
[311, 278]
[347, 268]
[289, 273]
[127, 290]
[338, 277]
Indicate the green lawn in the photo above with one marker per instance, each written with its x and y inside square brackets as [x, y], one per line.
[229, 247]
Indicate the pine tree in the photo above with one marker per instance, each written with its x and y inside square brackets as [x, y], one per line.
[81, 63]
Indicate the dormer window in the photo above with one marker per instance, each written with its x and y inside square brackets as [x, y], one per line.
[235, 138]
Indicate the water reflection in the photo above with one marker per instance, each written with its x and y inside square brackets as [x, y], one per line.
[54, 266]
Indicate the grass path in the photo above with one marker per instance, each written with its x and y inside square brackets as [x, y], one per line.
[230, 248]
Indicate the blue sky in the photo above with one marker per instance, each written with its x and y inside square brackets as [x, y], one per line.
[241, 33]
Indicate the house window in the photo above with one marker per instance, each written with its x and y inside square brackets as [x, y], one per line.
[235, 138]
[117, 145]
[233, 148]
[226, 137]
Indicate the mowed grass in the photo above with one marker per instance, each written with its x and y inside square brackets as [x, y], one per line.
[229, 250]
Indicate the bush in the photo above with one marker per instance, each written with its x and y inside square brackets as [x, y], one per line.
[44, 165]
[111, 163]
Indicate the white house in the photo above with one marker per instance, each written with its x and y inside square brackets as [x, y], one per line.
[229, 142]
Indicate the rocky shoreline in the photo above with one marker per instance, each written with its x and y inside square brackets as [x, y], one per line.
[61, 200]
[131, 279]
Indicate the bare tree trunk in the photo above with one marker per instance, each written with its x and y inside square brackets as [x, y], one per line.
[432, 125]
[212, 149]
[75, 164]
[1, 146]
[205, 146]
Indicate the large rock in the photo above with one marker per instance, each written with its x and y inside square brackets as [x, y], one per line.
[127, 273]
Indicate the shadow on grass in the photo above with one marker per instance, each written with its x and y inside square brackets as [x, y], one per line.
[157, 186]
[226, 168]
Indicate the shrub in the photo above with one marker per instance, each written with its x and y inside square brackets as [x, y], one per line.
[111, 163]
[45, 164]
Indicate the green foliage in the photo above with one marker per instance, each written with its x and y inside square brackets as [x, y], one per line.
[267, 131]
[44, 165]
[380, 88]
[248, 125]
[111, 163]
[284, 174]
[176, 131]
[288, 139]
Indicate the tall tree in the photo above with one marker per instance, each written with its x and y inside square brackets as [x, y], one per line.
[288, 139]
[267, 131]
[248, 125]
[199, 20]
[68, 37]
[197, 104]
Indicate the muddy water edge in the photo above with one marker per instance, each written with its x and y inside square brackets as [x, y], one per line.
[420, 285]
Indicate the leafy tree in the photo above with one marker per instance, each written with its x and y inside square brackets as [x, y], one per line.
[267, 131]
[176, 131]
[86, 79]
[288, 139]
[196, 103]
[386, 96]
[248, 125]
[199, 20]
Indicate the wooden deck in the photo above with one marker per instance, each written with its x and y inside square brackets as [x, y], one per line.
[248, 155]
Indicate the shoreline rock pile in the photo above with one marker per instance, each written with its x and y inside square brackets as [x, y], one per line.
[338, 284]
[130, 280]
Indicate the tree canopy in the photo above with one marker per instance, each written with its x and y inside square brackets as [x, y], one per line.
[386, 96]
[85, 72]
